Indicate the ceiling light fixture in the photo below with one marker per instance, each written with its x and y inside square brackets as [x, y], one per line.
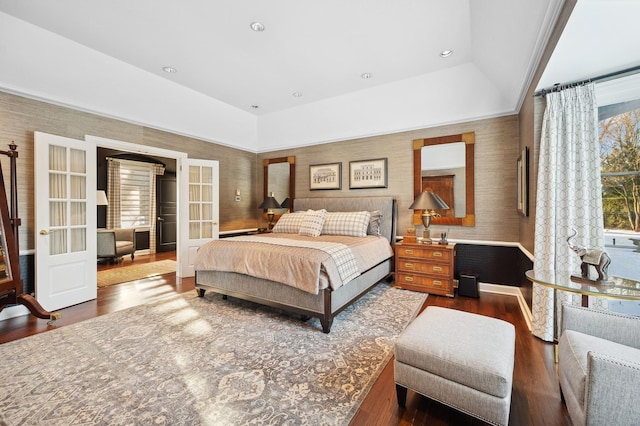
[257, 27]
[170, 70]
[297, 94]
[255, 106]
[366, 75]
[446, 53]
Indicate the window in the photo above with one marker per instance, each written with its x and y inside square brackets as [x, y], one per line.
[135, 194]
[619, 135]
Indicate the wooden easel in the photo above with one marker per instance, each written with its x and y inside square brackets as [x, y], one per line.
[11, 292]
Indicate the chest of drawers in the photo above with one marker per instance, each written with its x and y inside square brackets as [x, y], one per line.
[425, 267]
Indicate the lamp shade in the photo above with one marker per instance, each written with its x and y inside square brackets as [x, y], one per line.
[285, 203]
[269, 203]
[101, 198]
[428, 201]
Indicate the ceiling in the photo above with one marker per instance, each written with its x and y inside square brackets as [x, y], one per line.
[309, 59]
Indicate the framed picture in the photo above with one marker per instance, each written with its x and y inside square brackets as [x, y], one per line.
[368, 174]
[325, 176]
[523, 182]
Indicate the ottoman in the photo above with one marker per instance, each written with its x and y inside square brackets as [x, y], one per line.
[460, 359]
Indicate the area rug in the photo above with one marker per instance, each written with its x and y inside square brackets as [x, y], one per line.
[112, 276]
[186, 360]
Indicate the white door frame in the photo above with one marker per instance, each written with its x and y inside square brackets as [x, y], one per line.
[180, 157]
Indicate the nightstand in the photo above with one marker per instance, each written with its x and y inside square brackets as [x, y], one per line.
[427, 268]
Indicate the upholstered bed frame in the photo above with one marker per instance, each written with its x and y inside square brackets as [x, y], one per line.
[327, 303]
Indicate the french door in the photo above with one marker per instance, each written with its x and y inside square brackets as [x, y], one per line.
[65, 203]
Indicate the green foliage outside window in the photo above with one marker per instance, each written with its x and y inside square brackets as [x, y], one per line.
[620, 162]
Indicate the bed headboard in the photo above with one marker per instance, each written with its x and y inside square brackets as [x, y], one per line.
[386, 205]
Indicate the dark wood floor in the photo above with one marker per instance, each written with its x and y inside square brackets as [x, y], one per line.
[535, 399]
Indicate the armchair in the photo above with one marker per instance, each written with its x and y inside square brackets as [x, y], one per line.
[115, 243]
[599, 366]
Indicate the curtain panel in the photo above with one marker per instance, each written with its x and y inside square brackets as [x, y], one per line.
[569, 196]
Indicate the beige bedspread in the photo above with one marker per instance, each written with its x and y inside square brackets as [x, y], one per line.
[305, 268]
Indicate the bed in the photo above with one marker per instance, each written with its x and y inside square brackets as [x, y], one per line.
[330, 297]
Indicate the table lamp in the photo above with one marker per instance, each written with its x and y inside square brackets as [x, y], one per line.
[269, 204]
[428, 202]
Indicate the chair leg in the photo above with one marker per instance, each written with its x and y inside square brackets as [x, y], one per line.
[132, 257]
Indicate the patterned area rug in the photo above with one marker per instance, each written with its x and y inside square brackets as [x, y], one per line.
[109, 277]
[190, 361]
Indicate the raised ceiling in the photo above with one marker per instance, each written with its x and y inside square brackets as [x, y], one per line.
[108, 57]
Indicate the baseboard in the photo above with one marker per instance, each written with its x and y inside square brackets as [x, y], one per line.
[510, 291]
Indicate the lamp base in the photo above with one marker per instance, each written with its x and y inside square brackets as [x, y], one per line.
[426, 235]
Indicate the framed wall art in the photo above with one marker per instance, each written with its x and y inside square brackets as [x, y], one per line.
[325, 176]
[368, 174]
[523, 182]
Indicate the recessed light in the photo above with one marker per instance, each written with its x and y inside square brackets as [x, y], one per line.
[257, 27]
[170, 70]
[366, 75]
[297, 94]
[446, 53]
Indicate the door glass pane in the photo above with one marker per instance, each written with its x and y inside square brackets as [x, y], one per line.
[78, 187]
[194, 230]
[194, 211]
[78, 162]
[207, 175]
[57, 213]
[207, 230]
[207, 193]
[78, 213]
[78, 239]
[194, 174]
[58, 241]
[207, 212]
[194, 192]
[57, 158]
[57, 186]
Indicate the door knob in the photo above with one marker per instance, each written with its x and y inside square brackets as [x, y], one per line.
[43, 232]
[159, 219]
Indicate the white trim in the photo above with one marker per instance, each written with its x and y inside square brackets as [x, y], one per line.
[148, 150]
[509, 291]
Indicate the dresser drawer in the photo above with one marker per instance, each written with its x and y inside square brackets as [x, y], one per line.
[437, 285]
[411, 266]
[425, 253]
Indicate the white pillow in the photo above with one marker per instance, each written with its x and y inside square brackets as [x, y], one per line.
[289, 223]
[353, 224]
[312, 223]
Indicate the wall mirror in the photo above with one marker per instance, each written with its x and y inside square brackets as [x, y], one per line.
[280, 179]
[445, 165]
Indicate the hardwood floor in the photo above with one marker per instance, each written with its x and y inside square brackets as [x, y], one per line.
[535, 399]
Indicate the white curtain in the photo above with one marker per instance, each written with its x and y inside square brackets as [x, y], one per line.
[113, 194]
[569, 196]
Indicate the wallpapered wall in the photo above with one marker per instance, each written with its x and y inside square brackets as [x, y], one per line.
[20, 117]
[496, 153]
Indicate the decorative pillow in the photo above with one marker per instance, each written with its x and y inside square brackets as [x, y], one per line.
[312, 223]
[353, 224]
[374, 223]
[289, 223]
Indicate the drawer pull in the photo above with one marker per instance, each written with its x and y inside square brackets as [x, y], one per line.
[407, 251]
[437, 268]
[437, 282]
[410, 279]
[437, 254]
[408, 265]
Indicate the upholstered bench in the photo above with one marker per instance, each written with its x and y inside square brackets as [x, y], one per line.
[461, 359]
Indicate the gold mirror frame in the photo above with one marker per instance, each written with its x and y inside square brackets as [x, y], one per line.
[292, 176]
[469, 140]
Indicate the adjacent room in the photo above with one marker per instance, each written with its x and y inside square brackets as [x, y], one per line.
[336, 213]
